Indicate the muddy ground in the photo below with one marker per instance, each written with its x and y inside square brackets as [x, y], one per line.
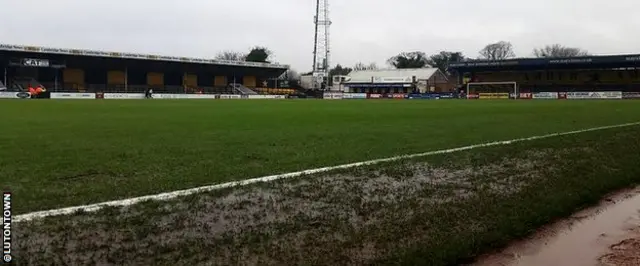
[624, 253]
[349, 218]
[607, 234]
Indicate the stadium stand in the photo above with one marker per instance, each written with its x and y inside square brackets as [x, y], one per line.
[592, 73]
[71, 70]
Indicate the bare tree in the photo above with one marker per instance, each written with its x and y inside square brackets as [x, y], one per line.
[497, 51]
[361, 66]
[230, 56]
[557, 50]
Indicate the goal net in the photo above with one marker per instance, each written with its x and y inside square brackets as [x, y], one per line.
[492, 90]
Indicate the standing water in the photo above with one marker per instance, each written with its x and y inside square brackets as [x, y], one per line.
[608, 234]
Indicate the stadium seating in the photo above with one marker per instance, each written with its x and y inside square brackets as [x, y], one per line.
[275, 91]
[155, 79]
[220, 81]
[24, 83]
[116, 78]
[73, 79]
[190, 80]
[241, 89]
[249, 81]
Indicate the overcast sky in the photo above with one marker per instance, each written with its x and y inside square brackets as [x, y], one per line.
[362, 30]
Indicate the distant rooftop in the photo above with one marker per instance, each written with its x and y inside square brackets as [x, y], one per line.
[390, 75]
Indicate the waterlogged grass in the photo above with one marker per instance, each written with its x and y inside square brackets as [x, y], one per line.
[62, 153]
[437, 210]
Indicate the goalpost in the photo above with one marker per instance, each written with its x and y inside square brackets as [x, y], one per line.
[492, 90]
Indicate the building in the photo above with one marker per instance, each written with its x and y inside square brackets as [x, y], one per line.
[583, 74]
[396, 81]
[73, 70]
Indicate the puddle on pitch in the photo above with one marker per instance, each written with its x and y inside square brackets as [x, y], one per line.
[608, 234]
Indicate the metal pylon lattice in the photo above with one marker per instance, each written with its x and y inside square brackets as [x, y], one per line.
[321, 45]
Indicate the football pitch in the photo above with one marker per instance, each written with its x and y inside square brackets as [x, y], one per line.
[63, 153]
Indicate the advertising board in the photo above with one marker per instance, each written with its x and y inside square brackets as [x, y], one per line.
[183, 96]
[14, 95]
[631, 95]
[594, 95]
[354, 96]
[375, 96]
[123, 96]
[447, 95]
[229, 96]
[431, 96]
[493, 96]
[562, 95]
[525, 95]
[545, 95]
[473, 96]
[332, 95]
[72, 95]
[266, 96]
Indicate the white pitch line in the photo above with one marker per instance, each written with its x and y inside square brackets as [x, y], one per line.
[178, 193]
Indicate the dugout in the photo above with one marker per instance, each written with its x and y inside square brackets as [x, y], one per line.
[588, 73]
[74, 70]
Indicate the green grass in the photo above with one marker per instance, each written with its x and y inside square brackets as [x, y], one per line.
[62, 153]
[437, 210]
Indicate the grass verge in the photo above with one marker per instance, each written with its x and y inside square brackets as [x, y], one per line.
[439, 210]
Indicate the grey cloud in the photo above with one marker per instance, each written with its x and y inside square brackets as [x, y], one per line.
[368, 31]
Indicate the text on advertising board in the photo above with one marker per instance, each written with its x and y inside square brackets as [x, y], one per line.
[30, 62]
[595, 95]
[545, 95]
[62, 95]
[493, 96]
[14, 95]
[631, 95]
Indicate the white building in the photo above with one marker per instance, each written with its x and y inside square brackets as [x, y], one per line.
[396, 81]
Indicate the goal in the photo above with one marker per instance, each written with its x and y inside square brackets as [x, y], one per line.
[492, 90]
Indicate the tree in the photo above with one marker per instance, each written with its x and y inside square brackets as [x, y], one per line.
[230, 56]
[443, 59]
[408, 60]
[339, 71]
[258, 54]
[557, 50]
[361, 66]
[497, 51]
